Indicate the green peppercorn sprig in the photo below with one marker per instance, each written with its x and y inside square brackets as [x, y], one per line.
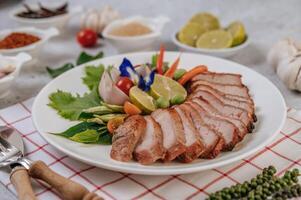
[264, 186]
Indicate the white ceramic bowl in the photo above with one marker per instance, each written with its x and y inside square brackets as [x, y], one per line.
[32, 49]
[136, 43]
[223, 53]
[58, 21]
[16, 62]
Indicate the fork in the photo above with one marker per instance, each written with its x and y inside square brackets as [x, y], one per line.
[68, 189]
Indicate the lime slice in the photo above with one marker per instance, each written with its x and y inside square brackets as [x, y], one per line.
[160, 87]
[217, 39]
[190, 33]
[238, 32]
[141, 99]
[167, 88]
[206, 20]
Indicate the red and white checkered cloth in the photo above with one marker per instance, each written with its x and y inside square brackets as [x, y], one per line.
[284, 153]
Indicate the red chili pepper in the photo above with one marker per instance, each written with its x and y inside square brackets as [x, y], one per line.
[160, 60]
[171, 71]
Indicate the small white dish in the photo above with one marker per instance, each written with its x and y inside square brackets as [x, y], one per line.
[58, 21]
[16, 62]
[271, 116]
[223, 53]
[136, 43]
[32, 49]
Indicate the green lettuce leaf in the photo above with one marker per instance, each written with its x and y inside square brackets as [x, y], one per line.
[93, 76]
[71, 106]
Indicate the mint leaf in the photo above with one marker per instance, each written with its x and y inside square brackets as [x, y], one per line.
[84, 57]
[88, 136]
[58, 71]
[81, 127]
[93, 76]
[71, 106]
[88, 132]
[105, 138]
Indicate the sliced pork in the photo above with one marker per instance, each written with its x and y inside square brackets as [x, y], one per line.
[212, 141]
[214, 112]
[226, 100]
[173, 132]
[241, 91]
[126, 137]
[226, 129]
[151, 148]
[220, 78]
[194, 145]
[227, 110]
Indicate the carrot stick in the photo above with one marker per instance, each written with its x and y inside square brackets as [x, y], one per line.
[171, 71]
[191, 73]
[114, 123]
[131, 109]
[160, 60]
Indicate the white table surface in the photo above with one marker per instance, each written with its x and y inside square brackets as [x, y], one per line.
[266, 22]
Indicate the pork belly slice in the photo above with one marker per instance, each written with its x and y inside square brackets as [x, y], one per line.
[221, 78]
[226, 100]
[226, 129]
[173, 132]
[227, 110]
[126, 137]
[151, 147]
[194, 145]
[211, 140]
[241, 91]
[214, 112]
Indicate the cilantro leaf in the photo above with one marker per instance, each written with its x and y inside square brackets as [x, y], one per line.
[58, 71]
[93, 76]
[71, 106]
[84, 57]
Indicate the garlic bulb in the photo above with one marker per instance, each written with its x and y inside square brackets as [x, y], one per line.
[98, 19]
[285, 57]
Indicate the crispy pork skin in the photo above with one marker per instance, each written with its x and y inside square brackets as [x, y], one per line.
[194, 145]
[126, 137]
[220, 78]
[173, 132]
[226, 129]
[217, 113]
[212, 141]
[151, 147]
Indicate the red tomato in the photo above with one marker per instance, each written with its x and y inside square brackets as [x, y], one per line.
[124, 84]
[87, 37]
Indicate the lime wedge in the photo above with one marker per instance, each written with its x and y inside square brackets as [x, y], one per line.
[167, 88]
[238, 32]
[190, 33]
[141, 99]
[216, 39]
[206, 20]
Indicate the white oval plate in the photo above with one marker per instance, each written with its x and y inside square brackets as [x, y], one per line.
[270, 110]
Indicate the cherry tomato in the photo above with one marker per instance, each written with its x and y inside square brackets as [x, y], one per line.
[87, 37]
[124, 84]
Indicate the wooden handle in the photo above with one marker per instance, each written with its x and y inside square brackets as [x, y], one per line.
[21, 180]
[68, 189]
